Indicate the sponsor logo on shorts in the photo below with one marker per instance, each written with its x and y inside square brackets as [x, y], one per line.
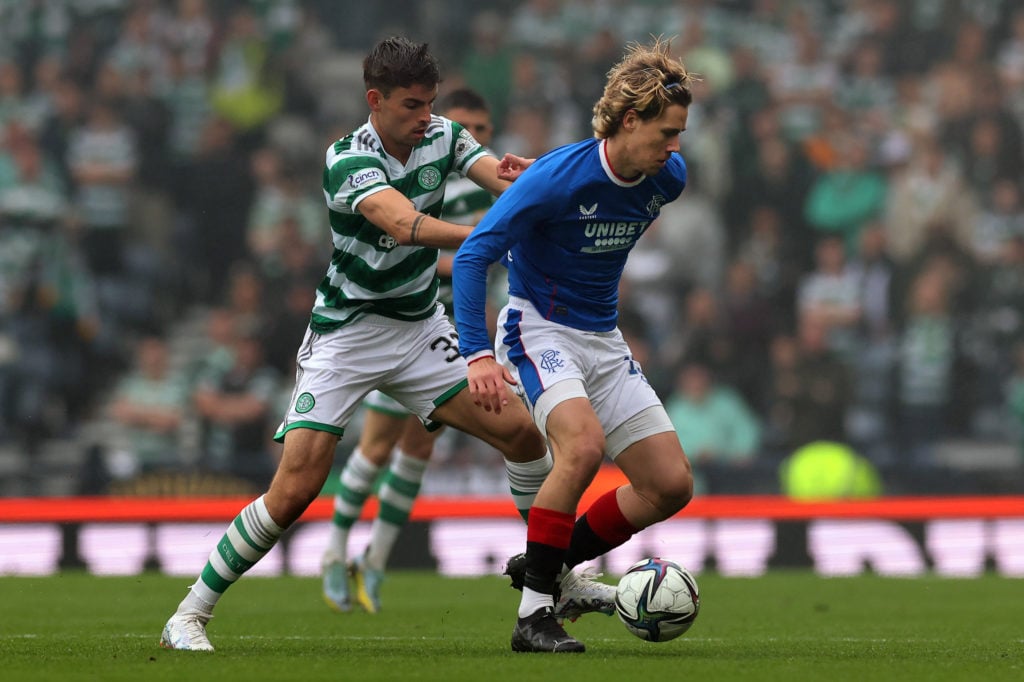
[305, 403]
[428, 177]
[550, 362]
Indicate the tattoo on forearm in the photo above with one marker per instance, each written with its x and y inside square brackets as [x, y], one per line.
[415, 229]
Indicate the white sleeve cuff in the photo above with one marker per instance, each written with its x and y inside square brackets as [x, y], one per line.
[486, 353]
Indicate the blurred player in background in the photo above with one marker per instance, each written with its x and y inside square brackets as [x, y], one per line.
[376, 322]
[390, 432]
[565, 228]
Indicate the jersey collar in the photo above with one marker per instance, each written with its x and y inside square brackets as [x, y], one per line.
[610, 172]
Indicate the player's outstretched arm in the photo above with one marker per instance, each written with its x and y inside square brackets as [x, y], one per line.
[392, 212]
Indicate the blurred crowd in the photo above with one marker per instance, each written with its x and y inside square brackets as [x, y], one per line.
[846, 264]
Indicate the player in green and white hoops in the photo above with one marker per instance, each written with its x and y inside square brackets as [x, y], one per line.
[391, 433]
[376, 322]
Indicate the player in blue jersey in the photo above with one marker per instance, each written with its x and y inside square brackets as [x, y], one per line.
[565, 228]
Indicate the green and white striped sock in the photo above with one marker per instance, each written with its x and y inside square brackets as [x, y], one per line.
[357, 479]
[525, 479]
[248, 539]
[397, 494]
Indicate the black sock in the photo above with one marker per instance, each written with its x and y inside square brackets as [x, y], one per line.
[585, 544]
[543, 564]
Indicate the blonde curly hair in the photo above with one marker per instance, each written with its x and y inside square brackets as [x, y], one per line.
[647, 80]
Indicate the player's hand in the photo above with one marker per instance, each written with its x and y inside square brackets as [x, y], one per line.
[511, 166]
[488, 384]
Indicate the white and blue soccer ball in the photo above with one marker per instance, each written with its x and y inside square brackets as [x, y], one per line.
[657, 599]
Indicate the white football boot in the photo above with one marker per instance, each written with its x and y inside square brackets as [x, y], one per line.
[580, 592]
[187, 632]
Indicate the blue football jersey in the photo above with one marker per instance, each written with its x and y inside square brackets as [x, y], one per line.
[564, 229]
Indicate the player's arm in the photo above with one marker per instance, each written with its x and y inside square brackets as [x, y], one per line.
[392, 212]
[523, 207]
[486, 378]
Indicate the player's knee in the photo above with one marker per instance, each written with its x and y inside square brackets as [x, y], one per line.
[526, 445]
[583, 458]
[376, 451]
[675, 492]
[288, 499]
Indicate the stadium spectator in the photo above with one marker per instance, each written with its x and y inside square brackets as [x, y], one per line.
[717, 429]
[235, 407]
[847, 196]
[929, 354]
[810, 389]
[831, 294]
[148, 411]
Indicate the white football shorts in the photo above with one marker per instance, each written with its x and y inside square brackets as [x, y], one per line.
[416, 363]
[385, 404]
[554, 363]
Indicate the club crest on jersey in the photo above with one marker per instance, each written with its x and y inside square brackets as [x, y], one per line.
[588, 212]
[428, 177]
[655, 204]
[304, 403]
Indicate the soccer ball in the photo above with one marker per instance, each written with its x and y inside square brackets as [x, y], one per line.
[657, 599]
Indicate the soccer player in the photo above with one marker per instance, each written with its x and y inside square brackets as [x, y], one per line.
[565, 228]
[390, 432]
[376, 322]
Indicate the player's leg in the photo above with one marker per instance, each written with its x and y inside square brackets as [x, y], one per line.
[301, 473]
[397, 493]
[382, 424]
[661, 483]
[513, 433]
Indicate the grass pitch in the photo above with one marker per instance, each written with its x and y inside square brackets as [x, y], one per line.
[784, 626]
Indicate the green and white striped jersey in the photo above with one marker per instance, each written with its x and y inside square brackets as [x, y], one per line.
[369, 271]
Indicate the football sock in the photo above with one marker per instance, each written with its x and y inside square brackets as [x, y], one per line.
[600, 529]
[357, 479]
[525, 479]
[547, 537]
[397, 494]
[533, 601]
[248, 539]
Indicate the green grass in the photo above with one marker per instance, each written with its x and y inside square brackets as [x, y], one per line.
[785, 626]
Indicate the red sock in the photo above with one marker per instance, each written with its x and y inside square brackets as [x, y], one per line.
[607, 521]
[549, 527]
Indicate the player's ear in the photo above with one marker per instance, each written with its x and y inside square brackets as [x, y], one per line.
[374, 97]
[629, 120]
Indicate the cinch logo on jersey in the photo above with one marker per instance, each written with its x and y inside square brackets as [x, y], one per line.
[612, 236]
[369, 176]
